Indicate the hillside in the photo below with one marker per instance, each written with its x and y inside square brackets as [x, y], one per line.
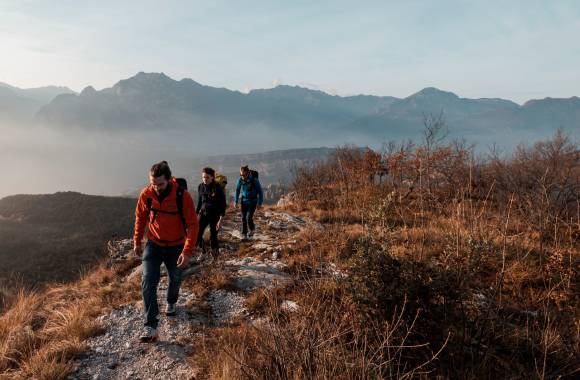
[54, 237]
[442, 268]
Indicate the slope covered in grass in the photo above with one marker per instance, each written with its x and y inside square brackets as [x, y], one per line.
[54, 237]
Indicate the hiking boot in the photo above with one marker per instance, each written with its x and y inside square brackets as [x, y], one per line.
[149, 335]
[245, 237]
[251, 233]
[215, 252]
[170, 310]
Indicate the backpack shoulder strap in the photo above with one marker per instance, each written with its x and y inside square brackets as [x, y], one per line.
[149, 201]
[179, 200]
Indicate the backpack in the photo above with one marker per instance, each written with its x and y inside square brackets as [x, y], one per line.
[254, 173]
[251, 188]
[181, 188]
[221, 180]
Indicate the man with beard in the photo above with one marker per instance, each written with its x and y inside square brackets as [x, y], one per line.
[168, 209]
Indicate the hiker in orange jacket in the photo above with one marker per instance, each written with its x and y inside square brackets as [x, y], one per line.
[171, 238]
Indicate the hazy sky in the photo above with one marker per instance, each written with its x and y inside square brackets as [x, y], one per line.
[511, 49]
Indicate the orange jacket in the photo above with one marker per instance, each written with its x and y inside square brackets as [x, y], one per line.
[165, 223]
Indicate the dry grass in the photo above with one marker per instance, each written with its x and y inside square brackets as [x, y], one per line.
[41, 332]
[211, 278]
[324, 339]
[480, 257]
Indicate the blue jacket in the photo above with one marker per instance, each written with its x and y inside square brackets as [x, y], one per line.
[250, 190]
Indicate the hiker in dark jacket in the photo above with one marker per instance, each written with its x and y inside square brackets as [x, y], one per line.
[248, 186]
[211, 208]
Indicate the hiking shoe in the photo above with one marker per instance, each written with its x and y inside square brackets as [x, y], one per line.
[245, 237]
[251, 233]
[170, 310]
[149, 335]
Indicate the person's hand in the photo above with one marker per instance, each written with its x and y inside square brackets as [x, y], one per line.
[138, 250]
[219, 224]
[182, 261]
[236, 206]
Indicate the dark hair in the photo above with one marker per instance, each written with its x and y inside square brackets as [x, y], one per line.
[161, 169]
[245, 168]
[208, 171]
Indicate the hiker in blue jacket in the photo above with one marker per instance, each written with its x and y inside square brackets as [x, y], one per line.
[248, 186]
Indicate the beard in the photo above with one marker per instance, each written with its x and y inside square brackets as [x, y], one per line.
[165, 192]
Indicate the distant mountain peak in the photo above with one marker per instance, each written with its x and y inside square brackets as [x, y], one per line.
[142, 78]
[431, 92]
[89, 90]
[281, 87]
[141, 75]
[142, 82]
[573, 101]
[285, 90]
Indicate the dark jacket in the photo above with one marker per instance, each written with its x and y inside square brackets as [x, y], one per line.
[211, 200]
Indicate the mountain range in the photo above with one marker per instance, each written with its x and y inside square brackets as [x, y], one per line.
[154, 101]
[103, 141]
[281, 117]
[18, 105]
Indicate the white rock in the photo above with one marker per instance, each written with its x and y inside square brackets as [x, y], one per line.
[261, 246]
[290, 306]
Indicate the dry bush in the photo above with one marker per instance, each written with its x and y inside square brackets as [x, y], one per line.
[487, 249]
[544, 183]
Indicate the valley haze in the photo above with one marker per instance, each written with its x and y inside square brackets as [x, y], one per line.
[103, 141]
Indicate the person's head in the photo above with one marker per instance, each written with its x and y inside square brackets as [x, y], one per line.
[207, 175]
[159, 177]
[245, 172]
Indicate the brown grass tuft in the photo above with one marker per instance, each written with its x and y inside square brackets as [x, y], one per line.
[43, 331]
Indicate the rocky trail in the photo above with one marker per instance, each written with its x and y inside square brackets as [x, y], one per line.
[259, 263]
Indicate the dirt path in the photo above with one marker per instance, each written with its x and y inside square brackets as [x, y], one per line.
[118, 354]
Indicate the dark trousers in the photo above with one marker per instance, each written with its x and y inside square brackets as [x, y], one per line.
[248, 211]
[210, 220]
[153, 256]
